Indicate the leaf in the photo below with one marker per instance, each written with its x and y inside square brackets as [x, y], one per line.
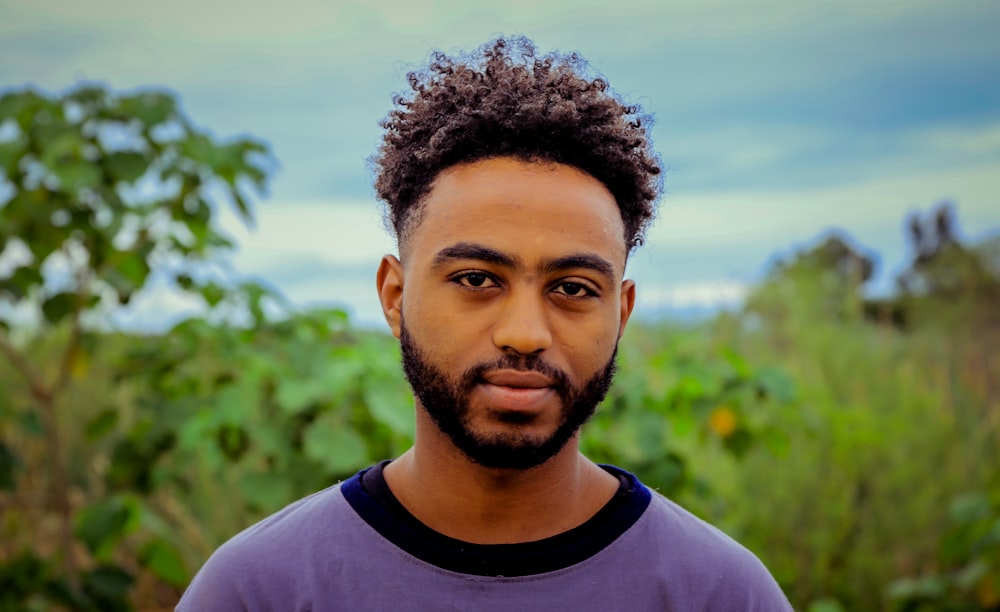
[241, 204]
[774, 383]
[58, 307]
[233, 441]
[21, 282]
[969, 508]
[103, 523]
[164, 560]
[101, 425]
[388, 406]
[107, 586]
[825, 604]
[9, 464]
[129, 275]
[134, 457]
[151, 108]
[296, 395]
[212, 293]
[22, 106]
[336, 446]
[77, 174]
[11, 153]
[266, 492]
[87, 95]
[126, 166]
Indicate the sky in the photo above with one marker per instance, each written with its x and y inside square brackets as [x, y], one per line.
[778, 121]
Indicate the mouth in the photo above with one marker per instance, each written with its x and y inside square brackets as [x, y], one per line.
[517, 390]
[518, 379]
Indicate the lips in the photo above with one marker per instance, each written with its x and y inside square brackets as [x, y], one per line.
[518, 379]
[516, 390]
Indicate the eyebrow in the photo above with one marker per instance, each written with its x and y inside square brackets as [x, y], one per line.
[467, 250]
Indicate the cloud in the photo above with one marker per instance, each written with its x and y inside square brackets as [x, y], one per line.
[708, 295]
[326, 231]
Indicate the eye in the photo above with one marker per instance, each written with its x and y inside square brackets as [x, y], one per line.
[575, 290]
[474, 280]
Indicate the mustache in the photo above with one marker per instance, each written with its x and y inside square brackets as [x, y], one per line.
[522, 363]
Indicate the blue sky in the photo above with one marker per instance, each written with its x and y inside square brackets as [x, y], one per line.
[777, 120]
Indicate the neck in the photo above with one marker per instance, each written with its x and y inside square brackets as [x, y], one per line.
[463, 500]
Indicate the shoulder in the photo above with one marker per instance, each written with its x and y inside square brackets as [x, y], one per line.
[707, 562]
[262, 565]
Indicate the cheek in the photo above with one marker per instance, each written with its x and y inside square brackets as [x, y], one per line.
[589, 344]
[434, 328]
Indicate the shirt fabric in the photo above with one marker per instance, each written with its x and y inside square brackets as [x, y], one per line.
[354, 547]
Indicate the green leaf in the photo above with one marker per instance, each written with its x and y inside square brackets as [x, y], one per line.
[103, 523]
[212, 293]
[151, 108]
[164, 560]
[21, 282]
[107, 587]
[295, 394]
[969, 508]
[101, 424]
[129, 275]
[126, 166]
[774, 383]
[9, 464]
[241, 204]
[233, 441]
[74, 175]
[134, 457]
[87, 95]
[825, 604]
[336, 446]
[21, 106]
[58, 307]
[266, 492]
[389, 406]
[11, 153]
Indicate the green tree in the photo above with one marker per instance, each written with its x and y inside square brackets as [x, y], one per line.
[948, 283]
[99, 191]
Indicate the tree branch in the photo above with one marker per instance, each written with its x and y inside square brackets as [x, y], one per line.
[20, 363]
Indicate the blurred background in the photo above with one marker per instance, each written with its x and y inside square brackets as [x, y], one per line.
[190, 337]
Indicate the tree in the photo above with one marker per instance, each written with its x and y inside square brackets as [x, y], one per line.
[98, 191]
[823, 283]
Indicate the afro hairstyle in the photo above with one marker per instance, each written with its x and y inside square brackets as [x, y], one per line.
[504, 101]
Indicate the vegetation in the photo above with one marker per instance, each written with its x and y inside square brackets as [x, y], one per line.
[851, 443]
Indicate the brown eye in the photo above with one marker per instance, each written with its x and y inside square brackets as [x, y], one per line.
[573, 290]
[474, 280]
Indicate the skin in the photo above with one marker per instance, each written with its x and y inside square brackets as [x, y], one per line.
[517, 258]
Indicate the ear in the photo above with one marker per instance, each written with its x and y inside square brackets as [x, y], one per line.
[627, 304]
[389, 282]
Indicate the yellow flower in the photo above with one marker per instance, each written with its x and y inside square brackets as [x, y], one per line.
[722, 421]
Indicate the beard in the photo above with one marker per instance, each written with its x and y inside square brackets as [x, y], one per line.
[447, 403]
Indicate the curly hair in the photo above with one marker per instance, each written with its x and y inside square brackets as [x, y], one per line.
[505, 101]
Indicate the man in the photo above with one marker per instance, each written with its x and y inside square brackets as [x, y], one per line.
[516, 188]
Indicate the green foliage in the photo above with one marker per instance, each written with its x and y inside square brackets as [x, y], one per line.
[675, 395]
[839, 450]
[897, 416]
[970, 549]
[99, 193]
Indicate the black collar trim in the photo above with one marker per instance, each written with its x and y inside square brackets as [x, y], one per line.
[371, 498]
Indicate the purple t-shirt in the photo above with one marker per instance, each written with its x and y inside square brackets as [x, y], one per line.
[353, 547]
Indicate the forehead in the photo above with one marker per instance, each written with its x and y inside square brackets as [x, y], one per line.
[513, 205]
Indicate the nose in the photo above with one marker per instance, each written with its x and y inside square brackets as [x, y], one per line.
[522, 325]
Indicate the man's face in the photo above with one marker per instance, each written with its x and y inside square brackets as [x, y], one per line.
[448, 403]
[509, 303]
